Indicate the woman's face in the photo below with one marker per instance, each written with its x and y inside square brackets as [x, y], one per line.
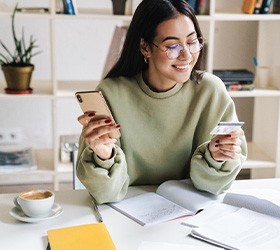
[163, 73]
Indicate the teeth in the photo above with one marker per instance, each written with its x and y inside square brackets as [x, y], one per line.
[182, 67]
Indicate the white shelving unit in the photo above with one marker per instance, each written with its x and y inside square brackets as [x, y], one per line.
[74, 53]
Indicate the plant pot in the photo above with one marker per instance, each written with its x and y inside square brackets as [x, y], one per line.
[18, 78]
[118, 7]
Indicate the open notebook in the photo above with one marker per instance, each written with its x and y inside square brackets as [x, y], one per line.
[172, 199]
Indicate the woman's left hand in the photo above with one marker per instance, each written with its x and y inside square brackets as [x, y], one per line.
[226, 147]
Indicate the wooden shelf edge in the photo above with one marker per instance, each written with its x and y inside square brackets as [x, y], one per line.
[258, 158]
[27, 177]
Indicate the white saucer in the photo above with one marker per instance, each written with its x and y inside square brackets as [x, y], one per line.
[19, 215]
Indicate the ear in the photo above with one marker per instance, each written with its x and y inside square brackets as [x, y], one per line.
[145, 48]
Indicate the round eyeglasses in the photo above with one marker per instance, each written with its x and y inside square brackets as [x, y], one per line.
[174, 51]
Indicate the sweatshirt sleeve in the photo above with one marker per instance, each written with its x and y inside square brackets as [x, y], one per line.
[106, 181]
[210, 175]
[213, 176]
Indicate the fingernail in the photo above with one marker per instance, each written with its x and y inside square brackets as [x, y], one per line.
[216, 145]
[228, 136]
[217, 141]
[108, 121]
[118, 125]
[91, 114]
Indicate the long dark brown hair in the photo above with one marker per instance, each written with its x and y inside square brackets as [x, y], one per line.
[148, 15]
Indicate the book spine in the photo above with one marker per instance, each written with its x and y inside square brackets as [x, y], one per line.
[276, 6]
[195, 5]
[258, 7]
[204, 7]
[248, 6]
[68, 7]
[75, 7]
[240, 87]
[266, 4]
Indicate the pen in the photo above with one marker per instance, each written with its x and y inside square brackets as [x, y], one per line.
[255, 61]
[97, 213]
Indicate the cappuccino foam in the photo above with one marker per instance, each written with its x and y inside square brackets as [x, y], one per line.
[36, 195]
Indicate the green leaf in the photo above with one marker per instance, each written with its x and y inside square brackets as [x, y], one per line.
[23, 52]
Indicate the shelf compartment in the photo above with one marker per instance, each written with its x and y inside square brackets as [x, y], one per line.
[255, 93]
[27, 177]
[43, 174]
[40, 88]
[65, 172]
[94, 16]
[68, 88]
[257, 158]
[230, 16]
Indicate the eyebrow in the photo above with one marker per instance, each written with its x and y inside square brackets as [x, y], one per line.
[176, 38]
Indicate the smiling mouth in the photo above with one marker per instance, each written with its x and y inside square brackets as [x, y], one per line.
[183, 67]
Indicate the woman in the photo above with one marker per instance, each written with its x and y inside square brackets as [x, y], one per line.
[165, 109]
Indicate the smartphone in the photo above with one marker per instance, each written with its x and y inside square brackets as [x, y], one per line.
[95, 101]
[224, 128]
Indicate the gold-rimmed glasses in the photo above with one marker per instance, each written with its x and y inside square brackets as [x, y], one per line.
[174, 51]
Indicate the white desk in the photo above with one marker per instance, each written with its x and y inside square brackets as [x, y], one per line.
[126, 234]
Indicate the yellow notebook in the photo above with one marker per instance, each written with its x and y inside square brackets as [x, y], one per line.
[88, 236]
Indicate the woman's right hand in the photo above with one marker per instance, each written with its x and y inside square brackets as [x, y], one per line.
[98, 131]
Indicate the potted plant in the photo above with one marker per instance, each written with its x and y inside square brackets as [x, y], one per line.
[17, 66]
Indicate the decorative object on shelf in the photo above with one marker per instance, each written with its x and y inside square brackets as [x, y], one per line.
[17, 66]
[118, 7]
[68, 144]
[262, 79]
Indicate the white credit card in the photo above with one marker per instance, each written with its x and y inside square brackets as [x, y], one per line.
[224, 128]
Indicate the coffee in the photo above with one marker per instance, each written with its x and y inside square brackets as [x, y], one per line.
[35, 203]
[33, 195]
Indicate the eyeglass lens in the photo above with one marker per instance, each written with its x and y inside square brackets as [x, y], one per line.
[194, 47]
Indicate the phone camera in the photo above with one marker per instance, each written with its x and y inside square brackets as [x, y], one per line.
[79, 98]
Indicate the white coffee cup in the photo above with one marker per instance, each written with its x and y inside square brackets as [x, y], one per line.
[35, 203]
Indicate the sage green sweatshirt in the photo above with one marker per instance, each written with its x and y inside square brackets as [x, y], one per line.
[164, 136]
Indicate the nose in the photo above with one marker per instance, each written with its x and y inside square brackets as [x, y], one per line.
[185, 52]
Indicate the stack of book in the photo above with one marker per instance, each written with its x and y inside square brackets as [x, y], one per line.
[239, 79]
[14, 159]
[260, 6]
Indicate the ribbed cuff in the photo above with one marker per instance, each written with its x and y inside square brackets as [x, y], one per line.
[107, 164]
